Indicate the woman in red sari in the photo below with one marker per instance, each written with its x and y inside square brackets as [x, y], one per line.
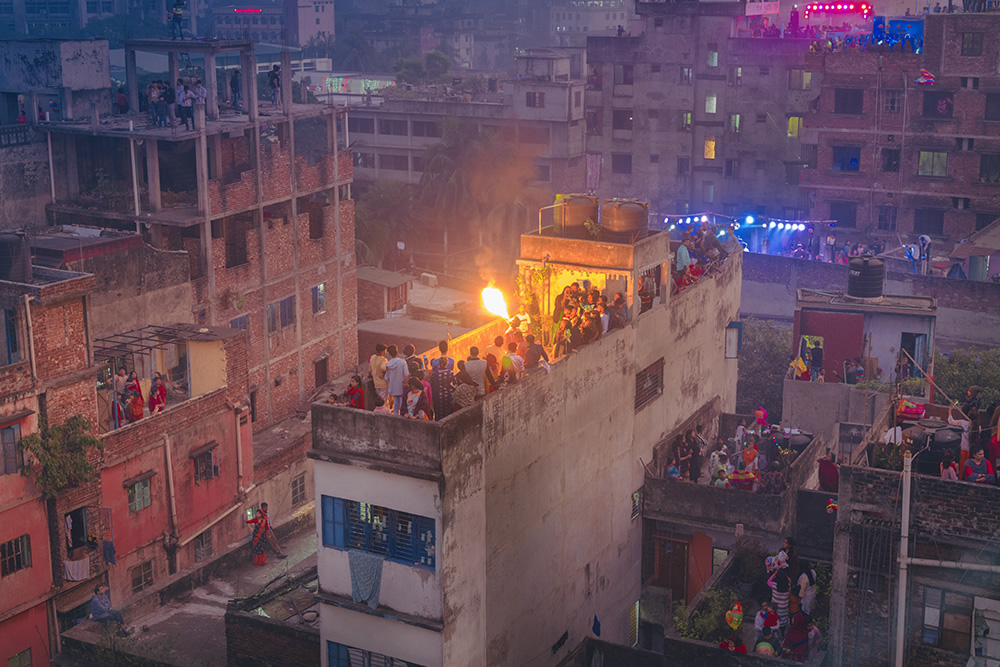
[262, 533]
[135, 402]
[157, 396]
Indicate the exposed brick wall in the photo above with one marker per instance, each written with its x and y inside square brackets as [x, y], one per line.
[345, 167]
[60, 338]
[280, 253]
[371, 301]
[310, 177]
[256, 641]
[237, 196]
[15, 380]
[77, 398]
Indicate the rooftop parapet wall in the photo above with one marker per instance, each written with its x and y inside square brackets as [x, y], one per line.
[651, 249]
[705, 505]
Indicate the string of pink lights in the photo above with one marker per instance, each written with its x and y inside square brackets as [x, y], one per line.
[863, 7]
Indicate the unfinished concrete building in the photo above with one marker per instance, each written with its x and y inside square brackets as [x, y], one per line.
[259, 199]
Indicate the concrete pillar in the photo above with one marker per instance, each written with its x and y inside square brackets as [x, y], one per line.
[33, 116]
[201, 173]
[157, 237]
[215, 156]
[153, 173]
[66, 104]
[174, 67]
[211, 83]
[286, 81]
[132, 81]
[979, 268]
[72, 168]
[250, 83]
[199, 117]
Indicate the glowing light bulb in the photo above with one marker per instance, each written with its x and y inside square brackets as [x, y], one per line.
[749, 219]
[781, 226]
[704, 218]
[772, 225]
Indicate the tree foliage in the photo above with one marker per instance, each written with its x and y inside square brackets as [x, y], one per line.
[964, 368]
[763, 361]
[58, 455]
[707, 623]
[432, 69]
[382, 217]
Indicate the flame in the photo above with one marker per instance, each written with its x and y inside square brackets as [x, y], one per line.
[494, 302]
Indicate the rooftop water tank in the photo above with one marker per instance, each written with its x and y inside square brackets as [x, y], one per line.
[623, 220]
[864, 277]
[15, 258]
[576, 209]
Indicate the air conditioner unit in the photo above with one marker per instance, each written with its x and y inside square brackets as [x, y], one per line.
[429, 279]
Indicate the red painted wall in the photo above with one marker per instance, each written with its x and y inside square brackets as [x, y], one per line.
[26, 630]
[29, 583]
[843, 337]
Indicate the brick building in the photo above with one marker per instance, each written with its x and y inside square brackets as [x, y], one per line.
[540, 112]
[899, 158]
[259, 201]
[46, 372]
[689, 116]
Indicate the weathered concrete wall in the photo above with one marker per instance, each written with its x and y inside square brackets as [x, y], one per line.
[137, 287]
[814, 526]
[52, 67]
[968, 311]
[562, 460]
[817, 407]
[707, 506]
[24, 184]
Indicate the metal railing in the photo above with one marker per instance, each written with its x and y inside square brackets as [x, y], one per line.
[15, 135]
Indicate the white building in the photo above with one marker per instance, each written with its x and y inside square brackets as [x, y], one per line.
[516, 521]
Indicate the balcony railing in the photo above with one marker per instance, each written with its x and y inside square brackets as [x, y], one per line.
[15, 135]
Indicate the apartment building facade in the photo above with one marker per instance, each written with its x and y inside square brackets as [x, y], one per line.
[540, 112]
[688, 116]
[901, 155]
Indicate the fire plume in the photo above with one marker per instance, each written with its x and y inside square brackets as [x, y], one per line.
[494, 302]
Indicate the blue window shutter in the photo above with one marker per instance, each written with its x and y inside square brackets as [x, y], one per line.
[339, 514]
[327, 516]
[426, 543]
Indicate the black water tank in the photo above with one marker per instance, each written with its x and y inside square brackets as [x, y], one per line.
[864, 277]
[15, 258]
[575, 211]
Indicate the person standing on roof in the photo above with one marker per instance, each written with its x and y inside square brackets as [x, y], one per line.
[176, 16]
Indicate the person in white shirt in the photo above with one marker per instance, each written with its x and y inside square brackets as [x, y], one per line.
[516, 358]
[476, 367]
[966, 426]
[396, 371]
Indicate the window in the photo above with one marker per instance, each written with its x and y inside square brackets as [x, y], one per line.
[685, 75]
[654, 158]
[734, 340]
[417, 163]
[970, 82]
[241, 322]
[361, 125]
[621, 119]
[400, 536]
[280, 314]
[621, 163]
[947, 619]
[543, 172]
[206, 462]
[138, 495]
[992, 106]
[793, 172]
[762, 118]
[593, 119]
[983, 220]
[964, 144]
[13, 457]
[713, 55]
[298, 490]
[732, 169]
[253, 406]
[735, 77]
[799, 79]
[319, 298]
[845, 213]
[22, 659]
[203, 546]
[15, 555]
[972, 43]
[795, 126]
[341, 655]
[534, 100]
[734, 122]
[76, 527]
[939, 104]
[424, 128]
[624, 75]
[142, 577]
[890, 159]
[320, 368]
[848, 101]
[711, 102]
[364, 160]
[989, 167]
[654, 69]
[708, 192]
[709, 148]
[393, 127]
[236, 241]
[846, 158]
[887, 218]
[932, 163]
[648, 384]
[928, 221]
[892, 101]
[393, 162]
[685, 120]
[683, 167]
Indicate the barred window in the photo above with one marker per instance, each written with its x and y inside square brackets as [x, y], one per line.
[298, 490]
[648, 384]
[203, 546]
[15, 555]
[400, 536]
[342, 655]
[142, 577]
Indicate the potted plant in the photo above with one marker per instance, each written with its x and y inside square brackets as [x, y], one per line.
[750, 555]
